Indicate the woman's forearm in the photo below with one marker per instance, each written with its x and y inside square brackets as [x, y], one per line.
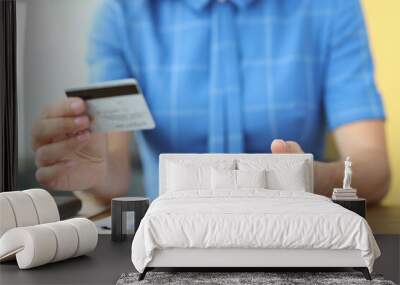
[117, 182]
[371, 175]
[327, 176]
[117, 174]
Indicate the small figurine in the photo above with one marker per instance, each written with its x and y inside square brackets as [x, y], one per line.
[345, 193]
[347, 174]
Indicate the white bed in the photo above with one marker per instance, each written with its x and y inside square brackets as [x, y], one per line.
[249, 227]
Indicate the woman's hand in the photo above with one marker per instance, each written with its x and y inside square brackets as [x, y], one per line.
[281, 146]
[67, 155]
[364, 142]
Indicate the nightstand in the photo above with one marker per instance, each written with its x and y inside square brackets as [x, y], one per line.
[358, 205]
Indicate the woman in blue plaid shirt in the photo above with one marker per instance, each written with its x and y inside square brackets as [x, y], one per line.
[225, 76]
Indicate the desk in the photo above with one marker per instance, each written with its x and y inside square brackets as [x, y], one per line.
[384, 220]
[385, 224]
[102, 266]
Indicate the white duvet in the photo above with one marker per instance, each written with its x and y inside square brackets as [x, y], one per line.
[250, 219]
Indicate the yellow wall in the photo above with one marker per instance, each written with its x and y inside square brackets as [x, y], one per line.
[383, 20]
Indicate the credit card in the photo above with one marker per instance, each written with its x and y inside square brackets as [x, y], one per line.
[117, 105]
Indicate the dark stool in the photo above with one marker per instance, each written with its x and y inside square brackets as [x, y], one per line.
[122, 211]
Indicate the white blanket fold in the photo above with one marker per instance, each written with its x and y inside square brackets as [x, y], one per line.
[250, 219]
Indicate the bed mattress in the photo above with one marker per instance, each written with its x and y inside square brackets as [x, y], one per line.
[251, 219]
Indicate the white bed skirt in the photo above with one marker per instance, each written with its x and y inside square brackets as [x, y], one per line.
[193, 257]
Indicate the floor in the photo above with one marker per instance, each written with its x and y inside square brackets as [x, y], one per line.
[389, 262]
[103, 266]
[110, 260]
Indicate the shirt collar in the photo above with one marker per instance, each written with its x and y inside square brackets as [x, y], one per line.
[201, 4]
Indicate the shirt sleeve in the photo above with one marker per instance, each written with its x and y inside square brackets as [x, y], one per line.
[105, 54]
[350, 91]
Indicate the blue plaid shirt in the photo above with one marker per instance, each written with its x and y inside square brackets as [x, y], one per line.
[231, 76]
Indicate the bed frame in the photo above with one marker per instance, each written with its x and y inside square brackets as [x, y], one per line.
[247, 259]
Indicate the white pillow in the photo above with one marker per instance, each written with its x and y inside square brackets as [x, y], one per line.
[237, 179]
[223, 179]
[251, 178]
[291, 178]
[188, 175]
[181, 178]
[281, 174]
